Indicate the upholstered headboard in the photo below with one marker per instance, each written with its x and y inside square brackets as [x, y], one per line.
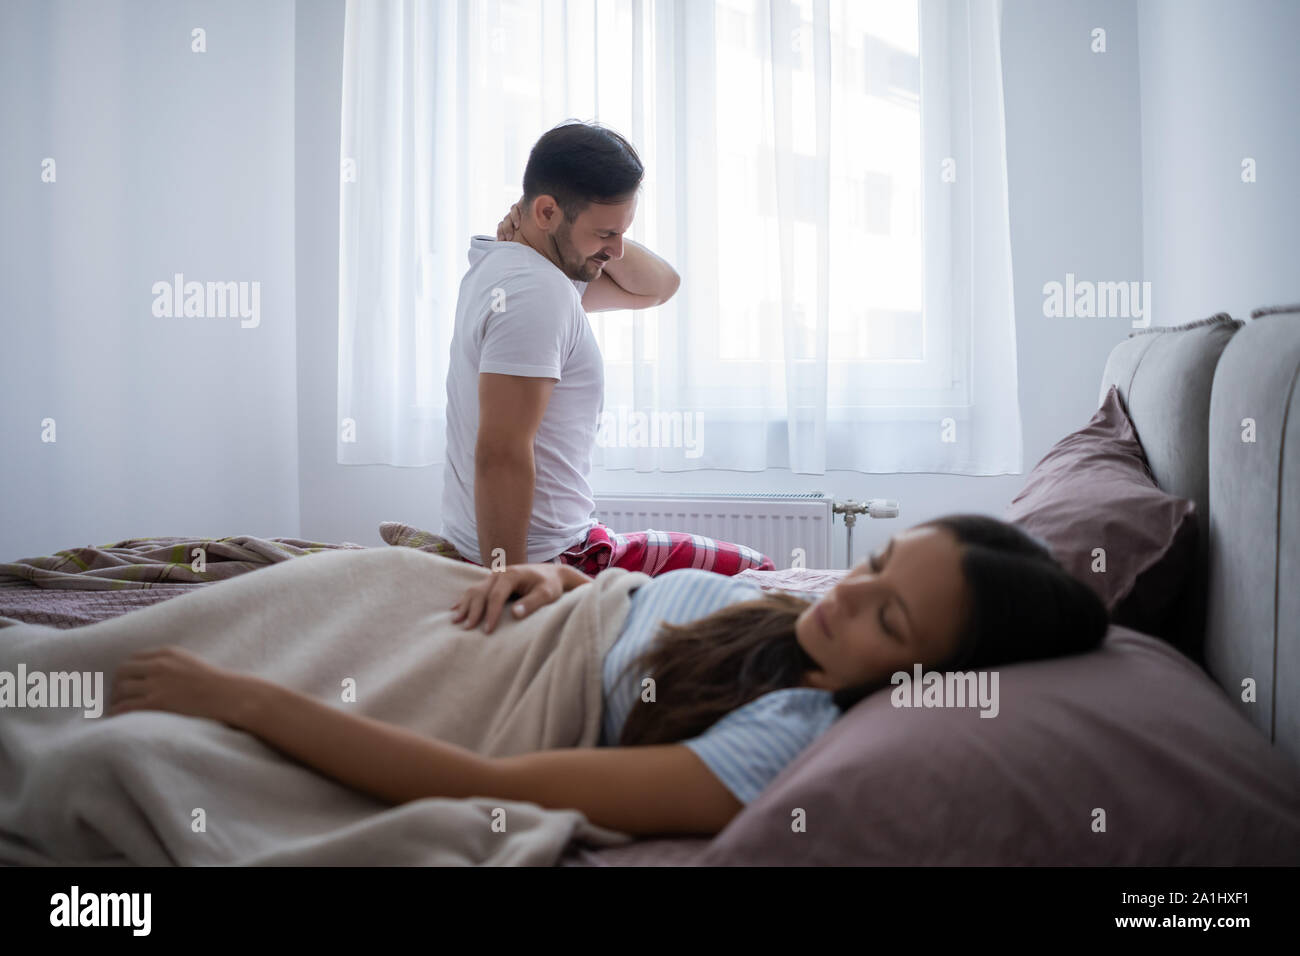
[1216, 407]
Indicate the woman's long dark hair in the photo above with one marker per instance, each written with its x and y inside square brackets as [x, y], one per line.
[1023, 606]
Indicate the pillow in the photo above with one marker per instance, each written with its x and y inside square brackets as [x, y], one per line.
[1094, 489]
[1133, 729]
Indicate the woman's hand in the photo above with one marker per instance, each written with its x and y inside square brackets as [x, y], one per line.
[510, 224]
[536, 584]
[174, 680]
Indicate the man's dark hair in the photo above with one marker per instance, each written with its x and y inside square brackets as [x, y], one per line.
[581, 163]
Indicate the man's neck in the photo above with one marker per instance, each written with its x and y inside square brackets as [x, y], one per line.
[539, 244]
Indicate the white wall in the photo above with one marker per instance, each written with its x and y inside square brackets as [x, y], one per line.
[1074, 165]
[167, 161]
[1220, 82]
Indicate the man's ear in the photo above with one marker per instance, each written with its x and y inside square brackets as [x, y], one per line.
[545, 212]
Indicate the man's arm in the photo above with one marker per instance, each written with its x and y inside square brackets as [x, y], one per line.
[639, 280]
[510, 410]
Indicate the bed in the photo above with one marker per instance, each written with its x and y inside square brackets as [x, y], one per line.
[1186, 746]
[1178, 743]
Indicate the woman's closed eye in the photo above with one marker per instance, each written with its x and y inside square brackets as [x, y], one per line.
[874, 564]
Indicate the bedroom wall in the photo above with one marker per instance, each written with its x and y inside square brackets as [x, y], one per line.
[1220, 84]
[1074, 165]
[167, 161]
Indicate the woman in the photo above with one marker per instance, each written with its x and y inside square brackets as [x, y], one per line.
[696, 721]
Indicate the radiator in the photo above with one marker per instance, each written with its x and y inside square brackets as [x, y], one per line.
[788, 528]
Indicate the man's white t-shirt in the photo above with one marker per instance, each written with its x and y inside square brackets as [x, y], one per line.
[519, 314]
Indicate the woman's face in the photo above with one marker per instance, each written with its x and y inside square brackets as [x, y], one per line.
[902, 606]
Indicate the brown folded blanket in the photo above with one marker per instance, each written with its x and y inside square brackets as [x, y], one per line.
[140, 563]
[146, 562]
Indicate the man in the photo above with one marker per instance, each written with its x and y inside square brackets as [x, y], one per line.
[526, 382]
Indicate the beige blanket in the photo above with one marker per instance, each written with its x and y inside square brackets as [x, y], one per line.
[157, 788]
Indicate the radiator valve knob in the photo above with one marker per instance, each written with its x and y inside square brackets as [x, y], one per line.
[882, 508]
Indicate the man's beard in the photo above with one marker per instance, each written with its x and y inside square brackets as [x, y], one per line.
[582, 269]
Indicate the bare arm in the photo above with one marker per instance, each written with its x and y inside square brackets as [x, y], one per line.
[659, 789]
[662, 789]
[510, 410]
[639, 280]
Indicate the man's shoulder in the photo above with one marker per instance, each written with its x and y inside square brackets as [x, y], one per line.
[505, 258]
[512, 278]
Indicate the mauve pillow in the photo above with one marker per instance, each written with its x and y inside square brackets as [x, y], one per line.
[1094, 489]
[1133, 729]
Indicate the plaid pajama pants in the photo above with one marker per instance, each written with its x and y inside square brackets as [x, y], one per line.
[657, 552]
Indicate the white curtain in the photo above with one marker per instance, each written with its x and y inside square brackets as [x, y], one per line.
[827, 176]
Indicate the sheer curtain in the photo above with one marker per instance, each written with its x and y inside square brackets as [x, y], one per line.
[827, 176]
